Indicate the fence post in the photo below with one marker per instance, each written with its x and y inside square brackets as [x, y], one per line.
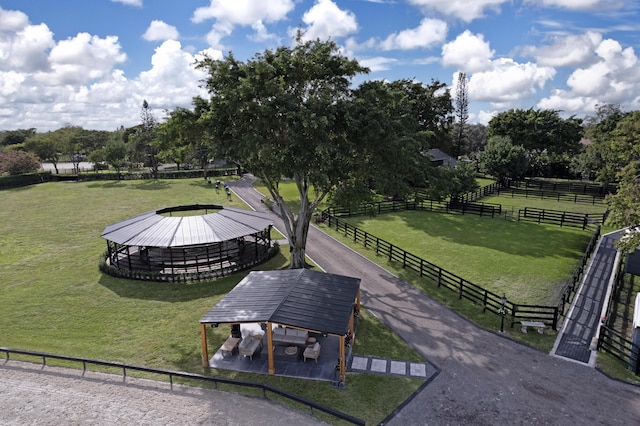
[461, 288]
[484, 301]
[514, 312]
[555, 319]
[390, 252]
[421, 266]
[439, 276]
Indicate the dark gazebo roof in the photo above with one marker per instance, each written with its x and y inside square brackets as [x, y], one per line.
[152, 229]
[301, 298]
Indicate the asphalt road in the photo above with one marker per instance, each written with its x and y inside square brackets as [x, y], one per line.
[485, 378]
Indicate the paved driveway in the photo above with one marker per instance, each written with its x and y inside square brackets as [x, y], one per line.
[485, 379]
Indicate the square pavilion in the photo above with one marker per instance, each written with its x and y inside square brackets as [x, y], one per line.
[297, 298]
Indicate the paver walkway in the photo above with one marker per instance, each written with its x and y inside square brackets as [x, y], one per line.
[575, 340]
[368, 364]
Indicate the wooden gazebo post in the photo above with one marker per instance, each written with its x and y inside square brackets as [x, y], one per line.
[342, 367]
[272, 367]
[205, 350]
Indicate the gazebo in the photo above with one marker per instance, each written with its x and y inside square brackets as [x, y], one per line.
[299, 299]
[173, 244]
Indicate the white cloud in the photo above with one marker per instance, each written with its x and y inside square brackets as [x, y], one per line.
[81, 59]
[614, 78]
[78, 82]
[571, 50]
[428, 33]
[261, 33]
[12, 20]
[508, 81]
[136, 3]
[468, 52]
[160, 31]
[244, 12]
[578, 4]
[229, 14]
[466, 10]
[378, 63]
[326, 20]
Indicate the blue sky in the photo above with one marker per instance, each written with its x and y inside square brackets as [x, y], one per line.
[91, 63]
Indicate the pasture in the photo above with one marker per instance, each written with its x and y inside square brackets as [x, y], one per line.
[54, 299]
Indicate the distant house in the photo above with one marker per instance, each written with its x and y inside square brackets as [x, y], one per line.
[439, 158]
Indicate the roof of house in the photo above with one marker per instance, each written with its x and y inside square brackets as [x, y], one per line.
[301, 298]
[441, 157]
[152, 229]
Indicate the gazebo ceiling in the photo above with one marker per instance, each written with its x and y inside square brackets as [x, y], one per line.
[155, 230]
[301, 298]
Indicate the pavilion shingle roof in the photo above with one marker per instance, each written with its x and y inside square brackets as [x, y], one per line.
[155, 230]
[301, 298]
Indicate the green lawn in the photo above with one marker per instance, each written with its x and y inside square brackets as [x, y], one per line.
[527, 261]
[54, 299]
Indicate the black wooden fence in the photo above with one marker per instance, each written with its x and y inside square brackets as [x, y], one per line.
[618, 346]
[561, 218]
[441, 277]
[585, 188]
[466, 289]
[190, 376]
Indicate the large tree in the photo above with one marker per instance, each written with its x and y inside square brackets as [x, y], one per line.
[282, 114]
[501, 158]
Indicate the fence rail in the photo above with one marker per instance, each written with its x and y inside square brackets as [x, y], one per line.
[618, 346]
[550, 315]
[441, 277]
[566, 187]
[546, 195]
[562, 218]
[191, 376]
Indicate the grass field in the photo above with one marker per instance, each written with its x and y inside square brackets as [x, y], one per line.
[54, 299]
[527, 261]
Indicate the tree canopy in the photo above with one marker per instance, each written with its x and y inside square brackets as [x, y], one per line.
[290, 113]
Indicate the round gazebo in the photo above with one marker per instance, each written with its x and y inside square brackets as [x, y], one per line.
[171, 244]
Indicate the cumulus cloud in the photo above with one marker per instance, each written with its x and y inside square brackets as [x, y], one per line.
[614, 78]
[466, 10]
[508, 82]
[468, 52]
[378, 63]
[229, 14]
[428, 33]
[160, 31]
[572, 50]
[47, 84]
[326, 20]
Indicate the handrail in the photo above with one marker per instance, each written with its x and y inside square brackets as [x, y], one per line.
[171, 374]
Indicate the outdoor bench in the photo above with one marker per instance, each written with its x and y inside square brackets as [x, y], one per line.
[537, 324]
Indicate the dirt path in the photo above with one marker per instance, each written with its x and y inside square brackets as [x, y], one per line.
[486, 379]
[34, 395]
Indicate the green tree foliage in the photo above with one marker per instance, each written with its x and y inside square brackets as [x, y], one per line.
[461, 113]
[16, 137]
[184, 138]
[501, 158]
[144, 148]
[16, 162]
[624, 206]
[282, 114]
[49, 146]
[538, 130]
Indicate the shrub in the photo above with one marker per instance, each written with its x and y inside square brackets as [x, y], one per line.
[18, 162]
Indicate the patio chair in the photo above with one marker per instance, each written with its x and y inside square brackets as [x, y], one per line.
[312, 352]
